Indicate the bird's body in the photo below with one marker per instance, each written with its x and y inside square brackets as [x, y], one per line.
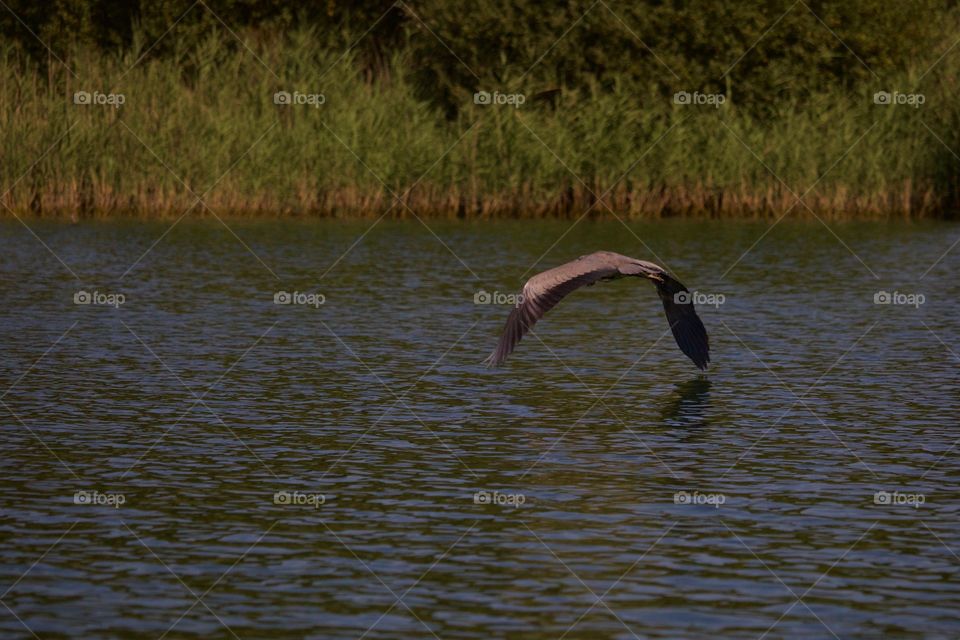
[543, 291]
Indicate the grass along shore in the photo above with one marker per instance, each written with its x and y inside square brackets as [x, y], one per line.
[205, 123]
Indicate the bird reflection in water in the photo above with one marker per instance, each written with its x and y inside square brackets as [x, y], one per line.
[687, 406]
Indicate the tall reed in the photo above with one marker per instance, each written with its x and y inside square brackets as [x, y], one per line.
[200, 130]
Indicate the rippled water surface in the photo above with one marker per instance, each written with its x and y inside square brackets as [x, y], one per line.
[637, 496]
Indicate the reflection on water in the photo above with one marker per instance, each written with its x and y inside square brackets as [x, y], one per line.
[688, 403]
[202, 461]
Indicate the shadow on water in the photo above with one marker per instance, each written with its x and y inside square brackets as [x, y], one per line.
[686, 406]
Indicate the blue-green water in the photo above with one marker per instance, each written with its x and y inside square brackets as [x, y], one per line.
[640, 498]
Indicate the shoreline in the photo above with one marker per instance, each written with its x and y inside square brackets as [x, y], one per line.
[664, 204]
[224, 135]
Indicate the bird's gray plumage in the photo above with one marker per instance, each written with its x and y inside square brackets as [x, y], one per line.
[543, 291]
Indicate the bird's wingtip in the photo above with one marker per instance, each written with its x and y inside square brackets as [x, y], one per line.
[702, 361]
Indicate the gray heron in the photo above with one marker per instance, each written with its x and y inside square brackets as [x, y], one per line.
[543, 291]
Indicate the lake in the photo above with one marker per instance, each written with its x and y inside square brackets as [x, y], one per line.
[282, 429]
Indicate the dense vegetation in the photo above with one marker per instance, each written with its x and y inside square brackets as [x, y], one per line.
[588, 101]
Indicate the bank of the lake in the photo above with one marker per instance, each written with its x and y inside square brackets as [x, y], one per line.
[228, 132]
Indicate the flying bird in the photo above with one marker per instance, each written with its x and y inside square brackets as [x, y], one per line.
[543, 291]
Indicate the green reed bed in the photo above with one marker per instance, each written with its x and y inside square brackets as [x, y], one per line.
[203, 122]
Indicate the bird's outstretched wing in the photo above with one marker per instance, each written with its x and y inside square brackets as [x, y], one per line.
[688, 330]
[544, 290]
[541, 293]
